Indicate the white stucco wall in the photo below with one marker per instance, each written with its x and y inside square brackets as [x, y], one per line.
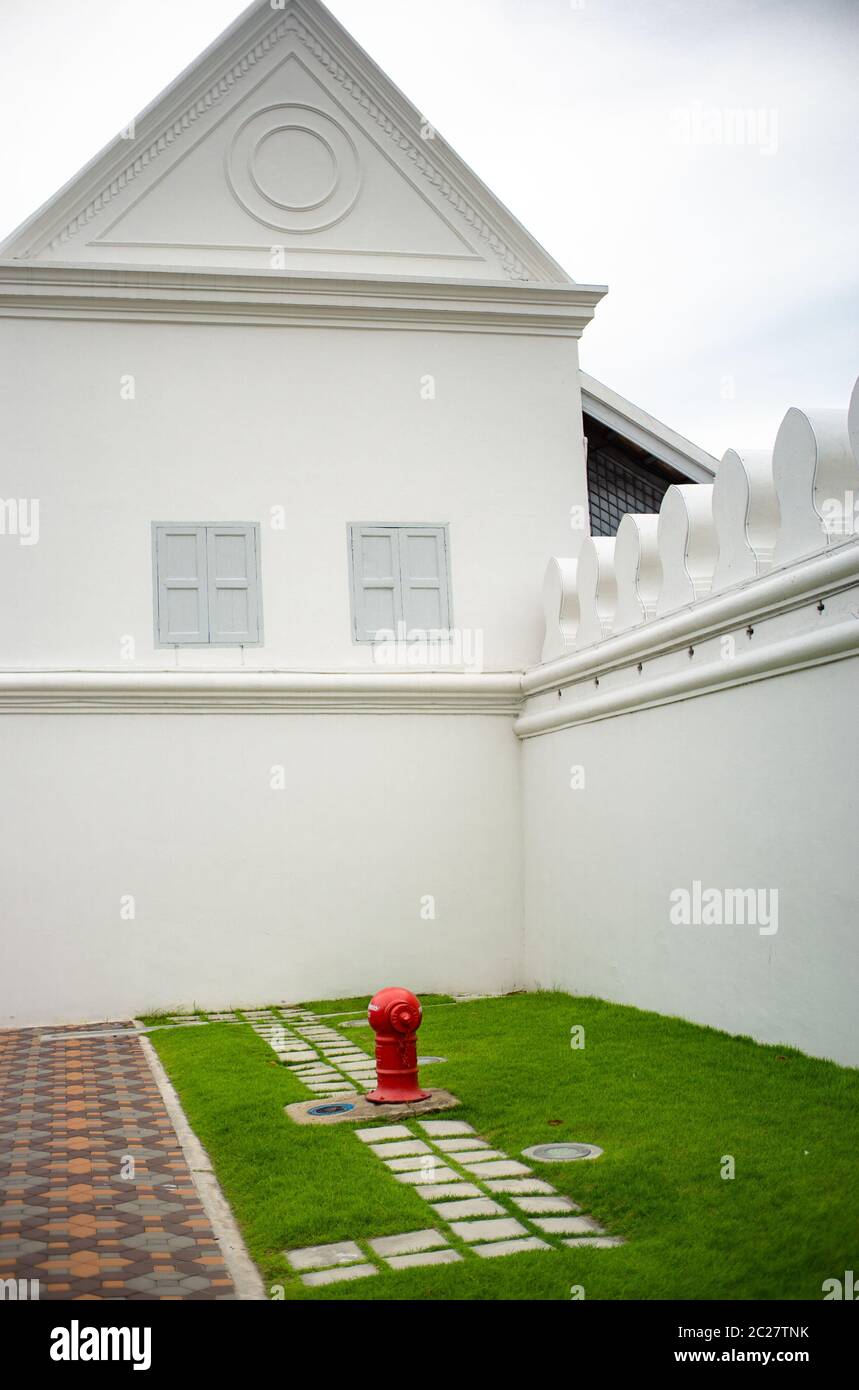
[244, 893]
[747, 788]
[230, 421]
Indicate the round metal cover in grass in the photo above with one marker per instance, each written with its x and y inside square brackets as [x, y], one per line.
[428, 1061]
[339, 1109]
[561, 1153]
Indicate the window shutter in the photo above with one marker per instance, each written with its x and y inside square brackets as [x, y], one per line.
[183, 611]
[232, 575]
[376, 581]
[423, 566]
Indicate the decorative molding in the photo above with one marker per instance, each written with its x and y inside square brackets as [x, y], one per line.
[813, 467]
[51, 290]
[638, 570]
[777, 659]
[322, 48]
[513, 265]
[560, 607]
[803, 615]
[173, 132]
[803, 582]
[596, 582]
[251, 692]
[715, 538]
[243, 179]
[746, 515]
[688, 545]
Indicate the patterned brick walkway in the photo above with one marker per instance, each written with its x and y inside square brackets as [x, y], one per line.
[96, 1199]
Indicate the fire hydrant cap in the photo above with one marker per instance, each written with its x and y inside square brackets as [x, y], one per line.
[395, 1008]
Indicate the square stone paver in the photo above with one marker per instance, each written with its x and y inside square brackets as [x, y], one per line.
[459, 1145]
[428, 1257]
[437, 1192]
[520, 1186]
[338, 1276]
[596, 1242]
[382, 1132]
[506, 1168]
[408, 1244]
[569, 1225]
[467, 1158]
[474, 1206]
[445, 1129]
[410, 1164]
[343, 1252]
[488, 1230]
[510, 1247]
[544, 1206]
[438, 1174]
[401, 1149]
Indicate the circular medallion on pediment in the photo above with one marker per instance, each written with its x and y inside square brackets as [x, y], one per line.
[294, 168]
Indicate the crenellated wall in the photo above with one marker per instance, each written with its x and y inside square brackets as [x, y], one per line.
[690, 799]
[764, 511]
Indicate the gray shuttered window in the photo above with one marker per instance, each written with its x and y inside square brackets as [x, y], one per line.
[182, 585]
[399, 581]
[207, 589]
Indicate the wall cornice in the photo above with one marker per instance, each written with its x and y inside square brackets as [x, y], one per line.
[256, 692]
[800, 616]
[166, 294]
[793, 654]
[794, 586]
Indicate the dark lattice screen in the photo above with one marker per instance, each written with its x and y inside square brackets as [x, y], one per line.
[615, 488]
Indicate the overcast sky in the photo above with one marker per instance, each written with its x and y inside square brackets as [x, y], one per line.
[608, 127]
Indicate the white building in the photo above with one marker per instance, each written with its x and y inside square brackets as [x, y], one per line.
[284, 384]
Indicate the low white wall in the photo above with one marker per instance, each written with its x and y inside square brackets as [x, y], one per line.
[751, 787]
[244, 893]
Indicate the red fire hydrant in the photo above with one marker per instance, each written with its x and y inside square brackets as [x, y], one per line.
[395, 1017]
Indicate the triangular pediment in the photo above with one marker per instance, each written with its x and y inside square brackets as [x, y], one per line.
[284, 147]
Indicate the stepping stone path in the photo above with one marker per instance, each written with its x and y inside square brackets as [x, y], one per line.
[324, 1061]
[476, 1213]
[487, 1204]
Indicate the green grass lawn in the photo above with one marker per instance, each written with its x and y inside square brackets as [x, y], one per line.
[665, 1099]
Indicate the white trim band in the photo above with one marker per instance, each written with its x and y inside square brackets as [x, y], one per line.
[776, 659]
[152, 294]
[246, 692]
[790, 587]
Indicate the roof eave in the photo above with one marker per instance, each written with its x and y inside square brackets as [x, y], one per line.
[644, 430]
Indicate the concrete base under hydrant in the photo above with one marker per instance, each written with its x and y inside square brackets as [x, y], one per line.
[363, 1110]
